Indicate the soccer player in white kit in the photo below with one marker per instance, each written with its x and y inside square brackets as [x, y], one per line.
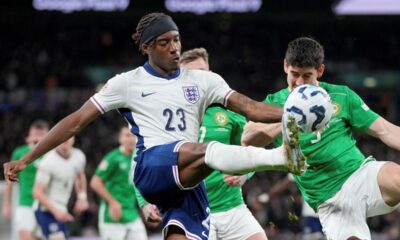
[164, 106]
[60, 170]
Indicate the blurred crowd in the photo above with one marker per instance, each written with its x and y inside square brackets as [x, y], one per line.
[52, 67]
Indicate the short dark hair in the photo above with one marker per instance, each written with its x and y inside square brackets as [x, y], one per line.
[144, 22]
[193, 54]
[39, 124]
[305, 52]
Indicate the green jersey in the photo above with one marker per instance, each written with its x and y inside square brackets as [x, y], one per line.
[333, 155]
[115, 170]
[26, 177]
[226, 127]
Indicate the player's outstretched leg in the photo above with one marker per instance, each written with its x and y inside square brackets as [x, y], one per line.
[291, 141]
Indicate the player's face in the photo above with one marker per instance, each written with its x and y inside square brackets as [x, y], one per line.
[297, 76]
[164, 52]
[35, 135]
[127, 139]
[199, 63]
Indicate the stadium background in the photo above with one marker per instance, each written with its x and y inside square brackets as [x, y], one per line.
[51, 62]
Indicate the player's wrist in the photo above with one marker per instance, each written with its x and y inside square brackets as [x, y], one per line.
[82, 195]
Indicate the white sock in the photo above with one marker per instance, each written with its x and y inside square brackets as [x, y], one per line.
[232, 159]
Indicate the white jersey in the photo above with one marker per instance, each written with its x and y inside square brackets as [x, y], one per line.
[59, 175]
[161, 110]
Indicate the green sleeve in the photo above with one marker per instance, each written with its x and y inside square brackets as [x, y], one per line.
[238, 122]
[268, 99]
[106, 168]
[139, 197]
[360, 115]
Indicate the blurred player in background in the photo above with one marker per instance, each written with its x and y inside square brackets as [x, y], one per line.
[340, 183]
[312, 229]
[230, 217]
[25, 222]
[164, 105]
[118, 217]
[59, 172]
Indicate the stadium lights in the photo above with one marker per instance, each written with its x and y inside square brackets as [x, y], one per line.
[208, 6]
[367, 7]
[80, 5]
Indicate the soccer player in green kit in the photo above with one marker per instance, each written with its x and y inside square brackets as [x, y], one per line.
[118, 216]
[341, 184]
[26, 225]
[230, 218]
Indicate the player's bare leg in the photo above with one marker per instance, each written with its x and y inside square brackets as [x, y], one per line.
[175, 233]
[192, 168]
[389, 183]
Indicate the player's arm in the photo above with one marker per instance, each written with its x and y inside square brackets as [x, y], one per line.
[97, 184]
[7, 203]
[260, 134]
[39, 193]
[386, 131]
[254, 110]
[81, 203]
[62, 131]
[150, 212]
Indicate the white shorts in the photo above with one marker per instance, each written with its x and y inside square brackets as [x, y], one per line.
[344, 215]
[237, 223]
[25, 220]
[123, 231]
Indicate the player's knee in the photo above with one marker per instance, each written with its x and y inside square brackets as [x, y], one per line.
[353, 238]
[175, 233]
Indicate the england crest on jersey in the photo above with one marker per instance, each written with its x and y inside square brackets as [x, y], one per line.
[191, 94]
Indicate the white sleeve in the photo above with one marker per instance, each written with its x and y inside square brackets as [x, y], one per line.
[218, 90]
[81, 160]
[112, 95]
[43, 174]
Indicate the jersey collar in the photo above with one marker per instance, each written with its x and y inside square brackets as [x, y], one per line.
[153, 72]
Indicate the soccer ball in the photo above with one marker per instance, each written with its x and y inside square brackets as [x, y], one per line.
[310, 106]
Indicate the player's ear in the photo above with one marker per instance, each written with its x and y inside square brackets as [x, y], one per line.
[320, 70]
[144, 49]
[285, 65]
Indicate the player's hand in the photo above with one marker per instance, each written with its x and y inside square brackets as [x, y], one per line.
[81, 205]
[11, 170]
[235, 181]
[63, 217]
[151, 215]
[115, 210]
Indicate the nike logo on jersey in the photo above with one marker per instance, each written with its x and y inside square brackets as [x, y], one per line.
[147, 94]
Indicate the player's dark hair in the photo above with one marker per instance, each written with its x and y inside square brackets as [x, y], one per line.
[144, 22]
[305, 52]
[39, 124]
[193, 54]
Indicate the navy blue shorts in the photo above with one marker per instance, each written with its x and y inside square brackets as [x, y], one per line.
[311, 225]
[49, 224]
[157, 179]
